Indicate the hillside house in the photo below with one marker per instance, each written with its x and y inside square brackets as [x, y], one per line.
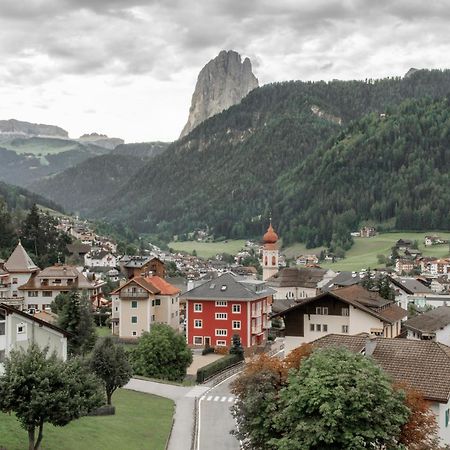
[306, 260]
[422, 365]
[142, 302]
[434, 240]
[409, 290]
[403, 244]
[19, 330]
[142, 266]
[348, 310]
[101, 258]
[228, 305]
[404, 266]
[367, 232]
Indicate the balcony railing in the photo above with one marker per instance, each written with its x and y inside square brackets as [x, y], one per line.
[13, 301]
[256, 312]
[125, 294]
[256, 329]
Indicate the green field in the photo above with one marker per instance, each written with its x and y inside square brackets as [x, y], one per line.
[41, 146]
[364, 252]
[141, 422]
[103, 331]
[208, 249]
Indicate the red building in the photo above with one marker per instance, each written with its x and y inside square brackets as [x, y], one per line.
[228, 305]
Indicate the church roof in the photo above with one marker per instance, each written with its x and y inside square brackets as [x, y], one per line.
[19, 261]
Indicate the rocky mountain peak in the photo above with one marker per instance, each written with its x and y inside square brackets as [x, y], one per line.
[222, 83]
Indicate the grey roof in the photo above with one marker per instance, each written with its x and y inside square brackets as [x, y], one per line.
[19, 261]
[228, 287]
[411, 286]
[430, 321]
[342, 279]
[297, 277]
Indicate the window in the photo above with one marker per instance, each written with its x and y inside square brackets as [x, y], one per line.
[345, 328]
[172, 300]
[345, 311]
[14, 280]
[221, 303]
[198, 323]
[198, 307]
[325, 310]
[223, 287]
[2, 328]
[134, 304]
[325, 327]
[173, 315]
[133, 319]
[318, 310]
[221, 316]
[311, 327]
[176, 313]
[221, 343]
[32, 293]
[318, 327]
[57, 281]
[221, 332]
[133, 333]
[198, 340]
[47, 294]
[117, 308]
[153, 318]
[21, 328]
[236, 324]
[236, 309]
[274, 261]
[157, 302]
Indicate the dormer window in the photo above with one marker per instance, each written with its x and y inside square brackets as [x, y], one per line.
[224, 287]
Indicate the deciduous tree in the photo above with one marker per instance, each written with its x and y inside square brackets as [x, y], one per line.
[41, 389]
[110, 363]
[162, 353]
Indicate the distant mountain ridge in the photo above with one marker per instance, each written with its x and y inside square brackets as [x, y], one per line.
[17, 127]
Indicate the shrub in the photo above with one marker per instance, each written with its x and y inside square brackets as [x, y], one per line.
[222, 350]
[217, 366]
[207, 350]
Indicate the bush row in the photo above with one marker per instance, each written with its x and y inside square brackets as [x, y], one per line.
[217, 366]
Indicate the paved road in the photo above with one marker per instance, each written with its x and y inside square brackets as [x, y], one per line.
[184, 398]
[215, 419]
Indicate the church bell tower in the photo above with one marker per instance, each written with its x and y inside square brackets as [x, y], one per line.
[270, 253]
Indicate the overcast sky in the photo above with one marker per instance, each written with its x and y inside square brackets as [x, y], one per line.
[128, 68]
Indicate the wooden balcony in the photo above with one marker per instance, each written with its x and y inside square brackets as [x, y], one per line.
[127, 295]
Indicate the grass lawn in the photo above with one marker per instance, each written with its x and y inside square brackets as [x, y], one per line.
[103, 331]
[364, 252]
[142, 422]
[208, 249]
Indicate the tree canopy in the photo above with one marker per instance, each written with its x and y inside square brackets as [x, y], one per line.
[40, 388]
[162, 353]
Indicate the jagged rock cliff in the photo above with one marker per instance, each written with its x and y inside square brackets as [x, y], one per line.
[222, 83]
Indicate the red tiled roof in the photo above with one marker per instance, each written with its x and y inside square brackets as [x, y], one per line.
[162, 285]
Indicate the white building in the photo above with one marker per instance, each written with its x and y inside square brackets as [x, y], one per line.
[100, 259]
[19, 330]
[432, 325]
[270, 253]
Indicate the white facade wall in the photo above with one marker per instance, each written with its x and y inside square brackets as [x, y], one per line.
[362, 322]
[334, 324]
[443, 335]
[439, 410]
[294, 292]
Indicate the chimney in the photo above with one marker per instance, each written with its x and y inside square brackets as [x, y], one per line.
[371, 343]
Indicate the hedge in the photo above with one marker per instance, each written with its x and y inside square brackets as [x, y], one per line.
[217, 366]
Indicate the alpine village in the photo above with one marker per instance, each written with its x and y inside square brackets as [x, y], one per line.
[277, 278]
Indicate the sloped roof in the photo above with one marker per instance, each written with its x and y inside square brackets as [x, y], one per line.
[141, 281]
[19, 261]
[162, 285]
[297, 277]
[430, 321]
[229, 287]
[361, 298]
[411, 286]
[423, 365]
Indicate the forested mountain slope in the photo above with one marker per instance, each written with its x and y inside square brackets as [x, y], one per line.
[84, 186]
[381, 167]
[224, 173]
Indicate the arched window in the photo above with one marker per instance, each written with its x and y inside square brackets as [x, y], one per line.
[266, 261]
[274, 260]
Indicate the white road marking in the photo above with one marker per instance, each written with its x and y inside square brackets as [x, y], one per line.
[209, 398]
[216, 398]
[230, 399]
[223, 399]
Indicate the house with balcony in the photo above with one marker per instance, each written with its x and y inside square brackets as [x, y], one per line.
[347, 310]
[43, 286]
[142, 302]
[19, 330]
[433, 325]
[228, 305]
[142, 266]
